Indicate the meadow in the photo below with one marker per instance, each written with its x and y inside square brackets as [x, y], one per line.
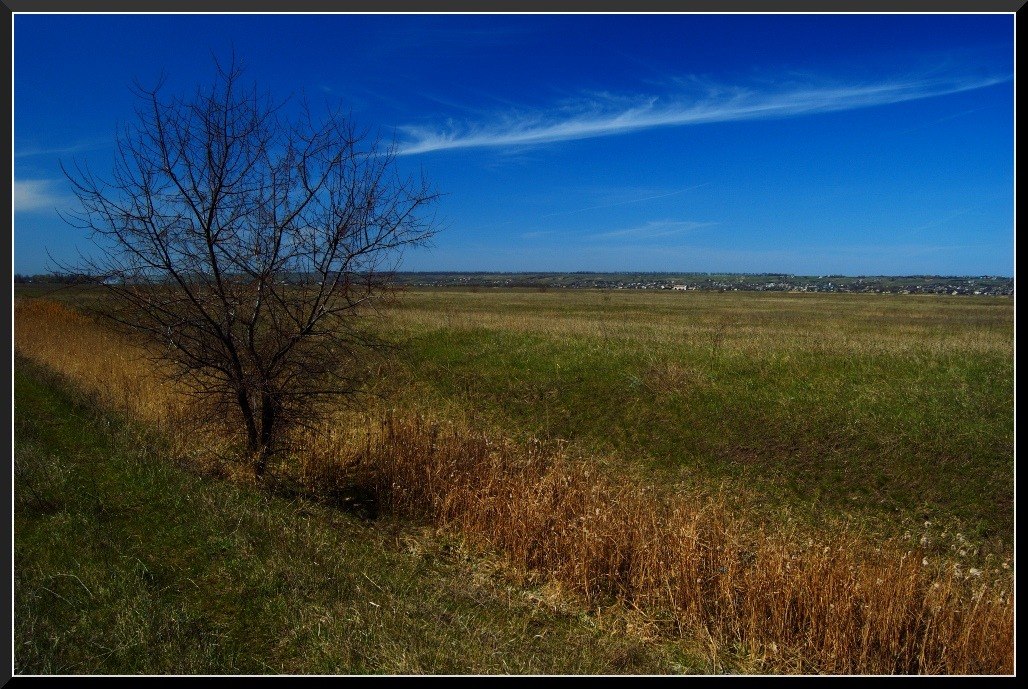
[804, 483]
[896, 410]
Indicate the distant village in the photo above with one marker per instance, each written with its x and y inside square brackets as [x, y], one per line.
[984, 285]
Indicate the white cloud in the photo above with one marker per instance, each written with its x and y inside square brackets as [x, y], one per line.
[35, 195]
[80, 147]
[606, 115]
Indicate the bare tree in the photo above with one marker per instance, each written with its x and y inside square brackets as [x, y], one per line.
[247, 249]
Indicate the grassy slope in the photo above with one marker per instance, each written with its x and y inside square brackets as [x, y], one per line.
[896, 409]
[125, 563]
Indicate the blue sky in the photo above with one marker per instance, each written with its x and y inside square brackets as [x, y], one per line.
[808, 144]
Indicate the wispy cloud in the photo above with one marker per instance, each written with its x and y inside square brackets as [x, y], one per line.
[654, 229]
[36, 195]
[953, 116]
[604, 114]
[80, 147]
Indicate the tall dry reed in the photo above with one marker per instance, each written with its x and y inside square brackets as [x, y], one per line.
[837, 604]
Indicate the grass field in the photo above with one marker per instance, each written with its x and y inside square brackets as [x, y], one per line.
[810, 482]
[898, 410]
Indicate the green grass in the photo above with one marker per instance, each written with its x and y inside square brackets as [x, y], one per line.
[128, 563]
[896, 410]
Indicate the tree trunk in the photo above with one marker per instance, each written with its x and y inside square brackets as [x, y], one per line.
[254, 436]
[267, 430]
[261, 462]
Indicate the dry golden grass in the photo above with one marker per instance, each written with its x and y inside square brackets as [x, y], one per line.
[836, 605]
[117, 373]
[95, 359]
[788, 602]
[741, 323]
